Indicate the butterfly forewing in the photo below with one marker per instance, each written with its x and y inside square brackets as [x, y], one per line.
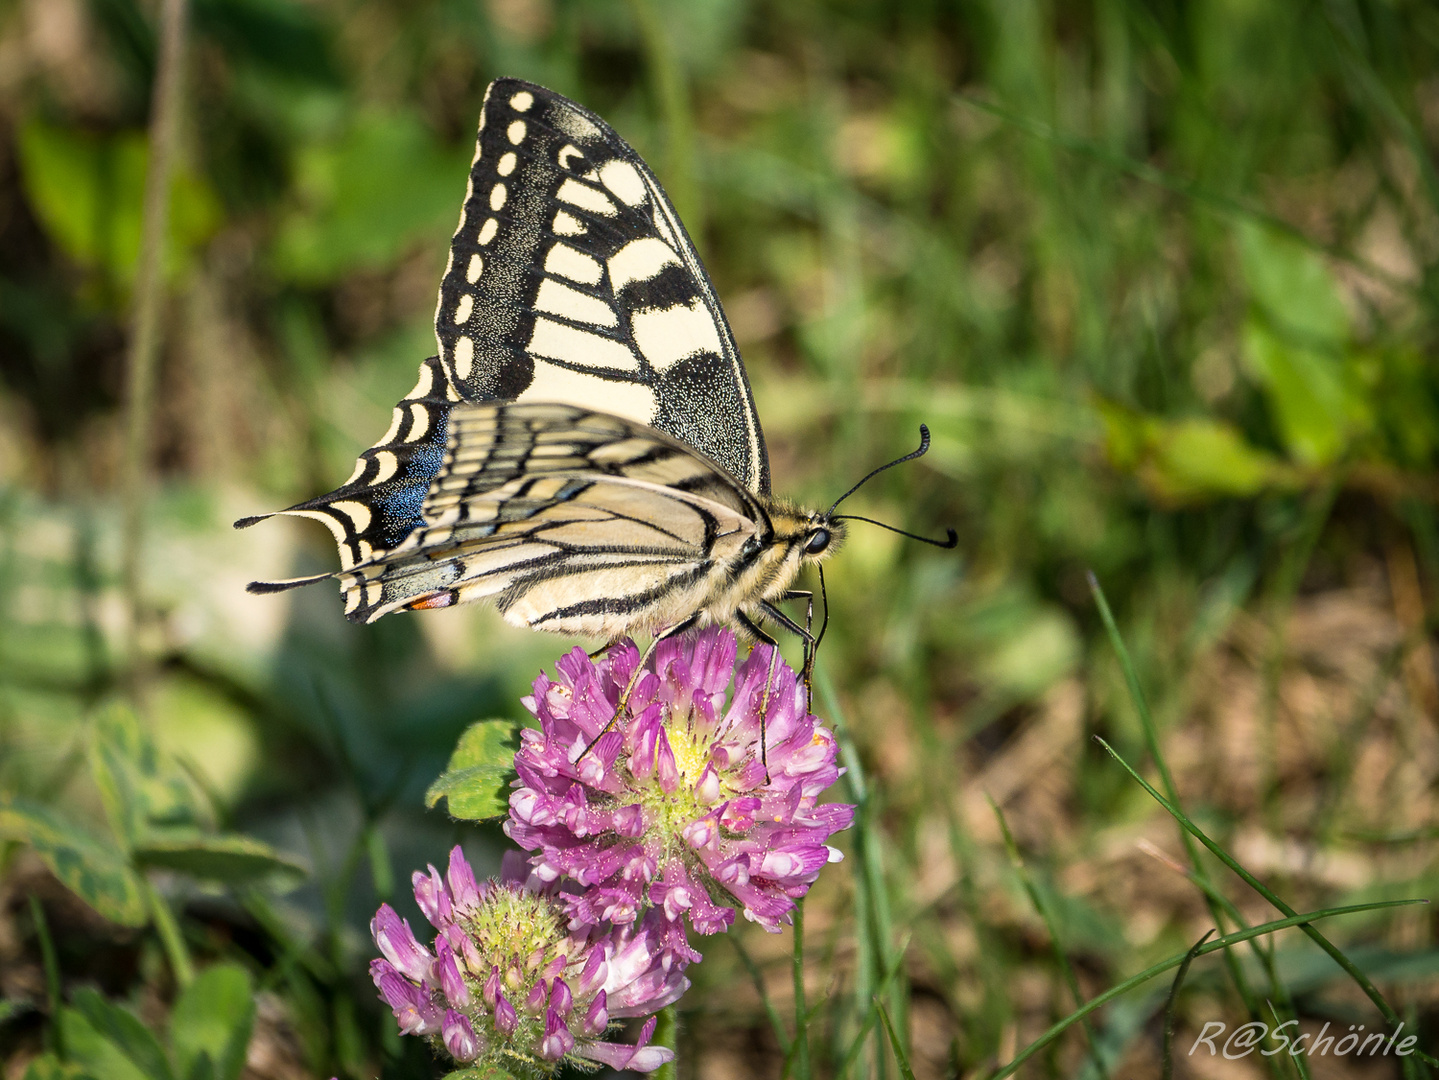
[573, 520]
[571, 279]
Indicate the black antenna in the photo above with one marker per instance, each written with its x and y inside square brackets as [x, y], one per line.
[952, 542]
[824, 599]
[923, 449]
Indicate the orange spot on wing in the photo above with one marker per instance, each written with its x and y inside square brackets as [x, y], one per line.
[439, 600]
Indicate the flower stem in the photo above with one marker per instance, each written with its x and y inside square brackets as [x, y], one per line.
[171, 939]
[145, 331]
[667, 1031]
[801, 1011]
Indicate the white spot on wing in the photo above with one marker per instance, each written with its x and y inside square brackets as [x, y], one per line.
[575, 346]
[488, 230]
[634, 401]
[475, 269]
[575, 265]
[586, 198]
[516, 132]
[668, 335]
[498, 194]
[421, 420]
[387, 464]
[522, 101]
[397, 417]
[357, 512]
[568, 151]
[567, 224]
[559, 299]
[423, 383]
[463, 309]
[361, 464]
[624, 180]
[640, 260]
[464, 357]
[507, 164]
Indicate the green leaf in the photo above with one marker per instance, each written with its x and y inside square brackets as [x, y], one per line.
[1293, 286]
[90, 868]
[382, 188]
[88, 192]
[214, 857]
[1191, 459]
[124, 1031]
[139, 785]
[1316, 408]
[49, 1067]
[1201, 458]
[13, 1007]
[476, 782]
[211, 1023]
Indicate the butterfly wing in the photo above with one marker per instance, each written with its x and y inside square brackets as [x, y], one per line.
[571, 520]
[571, 279]
[379, 505]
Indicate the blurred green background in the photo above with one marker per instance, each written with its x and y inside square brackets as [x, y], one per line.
[1162, 278]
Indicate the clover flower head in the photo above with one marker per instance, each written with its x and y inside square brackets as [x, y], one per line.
[673, 808]
[508, 985]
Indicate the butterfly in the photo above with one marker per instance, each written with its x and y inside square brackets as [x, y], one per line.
[584, 451]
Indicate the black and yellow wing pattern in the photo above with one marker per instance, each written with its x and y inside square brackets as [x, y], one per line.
[569, 519]
[584, 449]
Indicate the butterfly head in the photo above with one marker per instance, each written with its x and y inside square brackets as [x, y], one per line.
[822, 537]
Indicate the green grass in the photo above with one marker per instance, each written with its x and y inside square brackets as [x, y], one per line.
[1159, 278]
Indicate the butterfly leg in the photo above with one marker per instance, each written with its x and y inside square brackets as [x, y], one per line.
[623, 705]
[760, 635]
[806, 634]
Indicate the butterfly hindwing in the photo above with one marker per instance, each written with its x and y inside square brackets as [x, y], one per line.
[380, 504]
[569, 519]
[571, 279]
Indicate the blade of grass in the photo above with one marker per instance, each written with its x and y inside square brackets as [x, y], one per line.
[1216, 201]
[52, 973]
[899, 1054]
[780, 1034]
[1360, 979]
[1168, 1069]
[1217, 909]
[857, 1044]
[1225, 942]
[871, 898]
[1052, 925]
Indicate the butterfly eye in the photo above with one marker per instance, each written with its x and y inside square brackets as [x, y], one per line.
[818, 541]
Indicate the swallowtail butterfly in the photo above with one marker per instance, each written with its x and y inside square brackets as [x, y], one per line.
[584, 451]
